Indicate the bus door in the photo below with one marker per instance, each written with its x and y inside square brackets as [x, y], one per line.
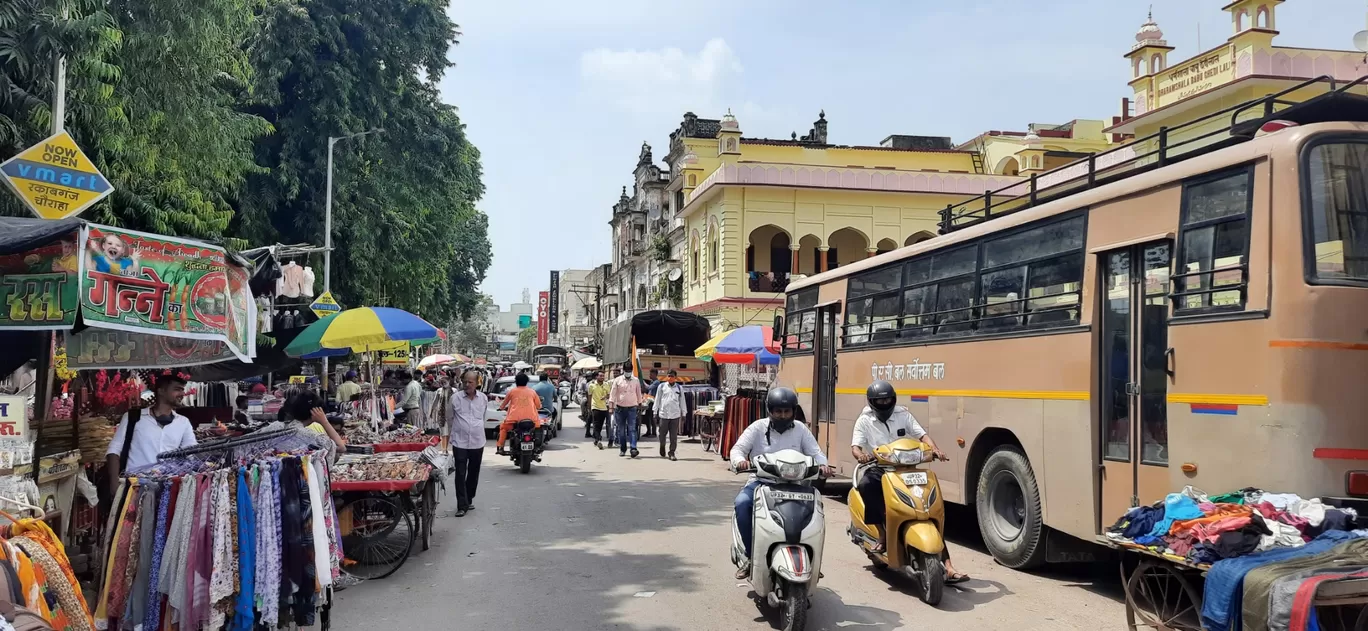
[1134, 376]
[824, 377]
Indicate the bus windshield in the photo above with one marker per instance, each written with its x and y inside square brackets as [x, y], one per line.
[1337, 192]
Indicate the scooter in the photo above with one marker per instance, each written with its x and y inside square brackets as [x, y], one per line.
[789, 531]
[526, 443]
[914, 517]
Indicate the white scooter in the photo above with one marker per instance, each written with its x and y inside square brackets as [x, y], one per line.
[789, 530]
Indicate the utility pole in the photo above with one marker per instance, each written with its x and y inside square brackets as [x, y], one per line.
[327, 226]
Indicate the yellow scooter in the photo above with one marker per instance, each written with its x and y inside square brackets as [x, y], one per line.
[914, 517]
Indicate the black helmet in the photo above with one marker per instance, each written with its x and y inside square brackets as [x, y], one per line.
[879, 391]
[781, 398]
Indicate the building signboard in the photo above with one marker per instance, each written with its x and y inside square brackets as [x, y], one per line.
[1195, 76]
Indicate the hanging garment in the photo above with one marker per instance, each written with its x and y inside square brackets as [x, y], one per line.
[306, 283]
[152, 617]
[318, 531]
[243, 609]
[147, 532]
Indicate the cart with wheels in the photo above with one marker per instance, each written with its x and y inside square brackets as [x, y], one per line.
[381, 519]
[709, 428]
[1165, 592]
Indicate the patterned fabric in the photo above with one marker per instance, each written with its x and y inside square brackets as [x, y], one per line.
[60, 580]
[223, 574]
[152, 617]
[123, 549]
[59, 618]
[171, 578]
[136, 609]
[111, 537]
[318, 529]
[330, 520]
[275, 577]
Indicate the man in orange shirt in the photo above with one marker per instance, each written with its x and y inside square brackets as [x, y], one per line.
[523, 404]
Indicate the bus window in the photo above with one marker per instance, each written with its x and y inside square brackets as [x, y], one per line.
[1033, 277]
[1338, 194]
[873, 304]
[800, 321]
[1214, 242]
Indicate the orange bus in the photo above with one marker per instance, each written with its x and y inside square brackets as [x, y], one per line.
[1194, 313]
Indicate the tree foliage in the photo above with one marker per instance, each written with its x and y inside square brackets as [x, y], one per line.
[527, 338]
[471, 334]
[212, 118]
[406, 231]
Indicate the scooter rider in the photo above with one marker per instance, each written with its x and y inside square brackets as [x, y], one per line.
[882, 422]
[773, 433]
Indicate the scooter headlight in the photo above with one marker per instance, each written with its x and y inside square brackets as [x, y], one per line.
[792, 470]
[908, 456]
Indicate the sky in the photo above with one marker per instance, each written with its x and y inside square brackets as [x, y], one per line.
[558, 96]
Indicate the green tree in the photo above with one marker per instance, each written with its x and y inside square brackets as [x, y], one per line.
[527, 338]
[471, 334]
[403, 200]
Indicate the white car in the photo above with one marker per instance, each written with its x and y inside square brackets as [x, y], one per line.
[495, 417]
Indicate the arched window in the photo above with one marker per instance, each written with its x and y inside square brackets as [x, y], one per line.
[1138, 61]
[1240, 20]
[1157, 62]
[693, 258]
[1261, 20]
[712, 248]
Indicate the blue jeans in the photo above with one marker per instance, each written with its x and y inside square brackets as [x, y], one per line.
[626, 419]
[745, 507]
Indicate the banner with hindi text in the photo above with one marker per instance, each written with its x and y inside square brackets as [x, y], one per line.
[38, 288]
[161, 286]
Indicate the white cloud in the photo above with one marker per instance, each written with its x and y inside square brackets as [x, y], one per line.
[664, 81]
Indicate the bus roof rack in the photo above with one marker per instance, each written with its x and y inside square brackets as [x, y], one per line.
[1163, 148]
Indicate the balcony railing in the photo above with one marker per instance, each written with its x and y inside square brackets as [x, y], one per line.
[768, 282]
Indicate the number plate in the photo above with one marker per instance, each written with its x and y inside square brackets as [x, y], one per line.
[787, 495]
[916, 477]
[530, 447]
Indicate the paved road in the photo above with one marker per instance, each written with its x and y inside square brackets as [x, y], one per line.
[589, 540]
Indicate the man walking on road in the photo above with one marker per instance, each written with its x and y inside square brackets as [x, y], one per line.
[612, 418]
[598, 406]
[467, 439]
[668, 408]
[623, 400]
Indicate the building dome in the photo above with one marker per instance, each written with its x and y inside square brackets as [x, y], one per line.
[689, 159]
[1149, 31]
[729, 122]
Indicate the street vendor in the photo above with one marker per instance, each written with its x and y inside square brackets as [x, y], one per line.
[155, 430]
[349, 387]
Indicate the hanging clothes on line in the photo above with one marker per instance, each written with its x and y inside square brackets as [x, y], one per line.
[203, 541]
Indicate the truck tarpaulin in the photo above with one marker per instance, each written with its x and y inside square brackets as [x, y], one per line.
[664, 332]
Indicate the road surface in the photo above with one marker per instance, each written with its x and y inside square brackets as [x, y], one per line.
[589, 540]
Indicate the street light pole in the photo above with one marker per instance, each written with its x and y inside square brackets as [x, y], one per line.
[327, 225]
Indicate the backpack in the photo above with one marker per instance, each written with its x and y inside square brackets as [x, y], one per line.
[11, 594]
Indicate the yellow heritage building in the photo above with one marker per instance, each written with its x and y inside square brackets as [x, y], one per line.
[758, 211]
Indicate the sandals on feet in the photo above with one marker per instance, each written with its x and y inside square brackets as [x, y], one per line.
[956, 578]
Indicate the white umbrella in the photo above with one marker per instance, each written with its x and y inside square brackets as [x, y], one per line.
[521, 365]
[588, 363]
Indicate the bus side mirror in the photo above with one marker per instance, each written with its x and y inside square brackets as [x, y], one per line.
[778, 332]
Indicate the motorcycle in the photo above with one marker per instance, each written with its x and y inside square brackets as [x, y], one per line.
[914, 517]
[526, 443]
[564, 392]
[789, 531]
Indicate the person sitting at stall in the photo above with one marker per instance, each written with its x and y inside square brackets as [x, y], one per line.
[153, 430]
[240, 411]
[523, 404]
[305, 411]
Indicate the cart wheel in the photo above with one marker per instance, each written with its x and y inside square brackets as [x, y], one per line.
[1163, 598]
[428, 514]
[380, 539]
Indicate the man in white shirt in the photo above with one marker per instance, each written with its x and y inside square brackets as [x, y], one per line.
[668, 406]
[883, 421]
[776, 432]
[157, 429]
[467, 439]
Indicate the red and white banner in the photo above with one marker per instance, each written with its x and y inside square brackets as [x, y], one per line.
[543, 315]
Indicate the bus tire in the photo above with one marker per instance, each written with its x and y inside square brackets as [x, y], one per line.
[1008, 507]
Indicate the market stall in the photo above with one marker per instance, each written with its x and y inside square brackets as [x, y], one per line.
[380, 496]
[1247, 559]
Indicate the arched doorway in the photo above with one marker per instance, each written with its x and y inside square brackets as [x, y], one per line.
[918, 237]
[848, 245]
[1009, 166]
[887, 245]
[768, 259]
